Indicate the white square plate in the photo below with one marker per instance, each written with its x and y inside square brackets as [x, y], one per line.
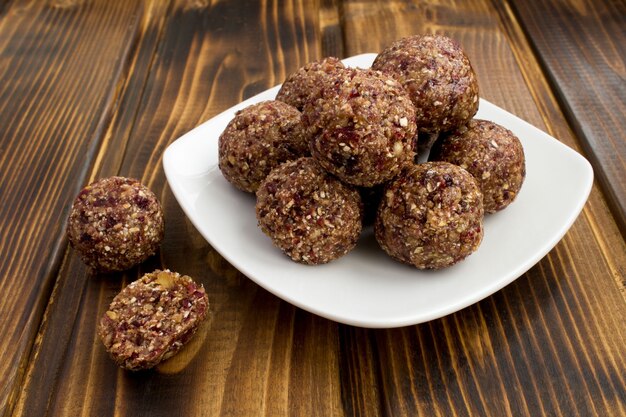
[366, 287]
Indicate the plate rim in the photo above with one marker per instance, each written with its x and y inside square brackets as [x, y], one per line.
[409, 319]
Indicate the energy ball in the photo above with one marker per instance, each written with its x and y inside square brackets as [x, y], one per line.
[492, 154]
[152, 318]
[362, 127]
[438, 77]
[309, 214]
[115, 223]
[431, 216]
[305, 84]
[259, 138]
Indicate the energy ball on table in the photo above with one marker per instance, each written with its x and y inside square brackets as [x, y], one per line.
[362, 127]
[309, 214]
[152, 318]
[492, 154]
[305, 84]
[431, 216]
[259, 138]
[115, 223]
[438, 77]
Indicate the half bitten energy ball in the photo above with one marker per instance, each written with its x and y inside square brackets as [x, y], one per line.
[115, 223]
[309, 214]
[431, 216]
[257, 140]
[362, 128]
[306, 83]
[438, 77]
[152, 318]
[492, 154]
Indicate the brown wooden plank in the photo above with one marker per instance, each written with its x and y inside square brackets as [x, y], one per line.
[261, 356]
[331, 30]
[551, 343]
[582, 46]
[360, 369]
[257, 355]
[66, 296]
[3, 6]
[59, 82]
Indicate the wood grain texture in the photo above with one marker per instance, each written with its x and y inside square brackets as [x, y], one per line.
[582, 46]
[604, 227]
[504, 355]
[331, 29]
[59, 81]
[258, 355]
[552, 343]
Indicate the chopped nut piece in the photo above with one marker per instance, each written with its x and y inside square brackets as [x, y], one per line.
[165, 279]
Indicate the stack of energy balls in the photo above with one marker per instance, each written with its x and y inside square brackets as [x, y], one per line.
[337, 149]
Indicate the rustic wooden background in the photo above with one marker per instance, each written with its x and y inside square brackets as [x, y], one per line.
[92, 88]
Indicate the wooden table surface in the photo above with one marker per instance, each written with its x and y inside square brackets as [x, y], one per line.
[93, 88]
